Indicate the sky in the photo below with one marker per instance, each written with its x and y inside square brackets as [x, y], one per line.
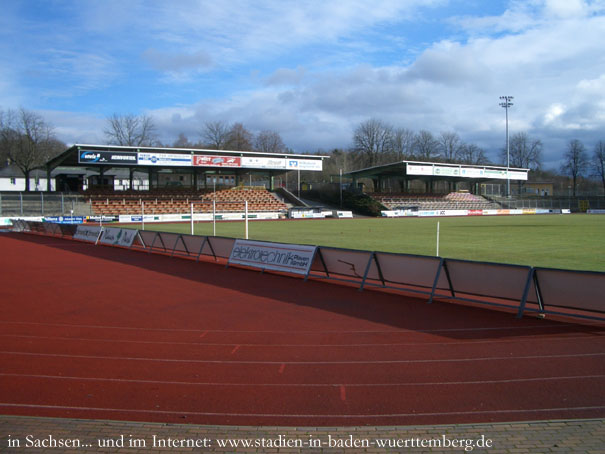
[311, 70]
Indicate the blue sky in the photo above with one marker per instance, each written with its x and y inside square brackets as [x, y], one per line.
[311, 70]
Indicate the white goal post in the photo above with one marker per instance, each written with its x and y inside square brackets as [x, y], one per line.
[215, 216]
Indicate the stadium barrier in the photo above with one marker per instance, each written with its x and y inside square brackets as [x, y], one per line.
[186, 245]
[415, 273]
[344, 264]
[567, 289]
[488, 282]
[523, 288]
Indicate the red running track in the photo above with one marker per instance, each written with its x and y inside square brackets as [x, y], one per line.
[106, 333]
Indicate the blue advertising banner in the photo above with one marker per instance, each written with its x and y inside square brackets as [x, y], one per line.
[65, 219]
[107, 157]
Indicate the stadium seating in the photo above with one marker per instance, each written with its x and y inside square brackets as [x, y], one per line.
[451, 201]
[179, 201]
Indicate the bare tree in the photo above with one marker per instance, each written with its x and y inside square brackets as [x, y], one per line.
[449, 146]
[598, 161]
[6, 137]
[472, 154]
[402, 140]
[131, 130]
[372, 138]
[28, 141]
[425, 146]
[216, 134]
[182, 142]
[269, 142]
[525, 152]
[240, 139]
[575, 161]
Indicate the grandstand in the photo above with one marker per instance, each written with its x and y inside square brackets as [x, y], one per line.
[175, 201]
[451, 201]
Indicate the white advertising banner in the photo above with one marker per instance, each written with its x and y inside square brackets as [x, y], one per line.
[314, 165]
[514, 175]
[446, 171]
[471, 173]
[118, 237]
[443, 213]
[464, 172]
[164, 159]
[87, 233]
[264, 163]
[416, 169]
[290, 258]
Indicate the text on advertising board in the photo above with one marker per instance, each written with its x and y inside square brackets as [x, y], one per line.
[217, 161]
[273, 256]
[164, 159]
[106, 157]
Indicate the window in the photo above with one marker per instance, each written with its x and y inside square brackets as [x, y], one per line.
[13, 181]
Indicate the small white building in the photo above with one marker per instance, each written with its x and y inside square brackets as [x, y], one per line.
[12, 179]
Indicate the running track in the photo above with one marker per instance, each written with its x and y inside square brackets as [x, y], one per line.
[107, 333]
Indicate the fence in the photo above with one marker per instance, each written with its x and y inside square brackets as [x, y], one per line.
[521, 288]
[43, 204]
[575, 204]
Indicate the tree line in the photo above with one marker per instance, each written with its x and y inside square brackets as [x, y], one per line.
[132, 130]
[28, 141]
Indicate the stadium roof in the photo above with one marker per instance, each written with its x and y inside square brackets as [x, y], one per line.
[131, 156]
[439, 170]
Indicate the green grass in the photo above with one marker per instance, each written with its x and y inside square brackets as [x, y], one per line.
[556, 241]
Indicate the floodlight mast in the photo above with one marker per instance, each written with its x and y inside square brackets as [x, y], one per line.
[506, 104]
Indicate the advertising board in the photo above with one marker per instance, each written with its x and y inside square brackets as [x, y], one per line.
[446, 171]
[64, 219]
[138, 218]
[471, 173]
[514, 175]
[87, 233]
[107, 157]
[217, 161]
[398, 213]
[443, 213]
[118, 237]
[416, 169]
[290, 258]
[164, 159]
[344, 214]
[264, 163]
[314, 165]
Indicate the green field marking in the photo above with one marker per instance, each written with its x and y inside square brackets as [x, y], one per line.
[554, 241]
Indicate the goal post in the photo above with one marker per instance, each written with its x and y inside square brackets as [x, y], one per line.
[215, 210]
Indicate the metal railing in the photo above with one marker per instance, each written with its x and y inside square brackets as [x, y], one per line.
[575, 204]
[43, 204]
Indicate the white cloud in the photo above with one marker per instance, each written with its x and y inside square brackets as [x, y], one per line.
[74, 128]
[566, 9]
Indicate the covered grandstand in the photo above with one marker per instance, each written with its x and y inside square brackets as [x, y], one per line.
[156, 167]
[414, 185]
[124, 180]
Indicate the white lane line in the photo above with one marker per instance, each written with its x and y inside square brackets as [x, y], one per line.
[305, 385]
[216, 361]
[286, 415]
[392, 331]
[394, 344]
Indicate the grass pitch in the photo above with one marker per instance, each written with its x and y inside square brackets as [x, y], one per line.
[555, 241]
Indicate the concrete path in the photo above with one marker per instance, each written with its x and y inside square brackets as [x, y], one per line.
[57, 435]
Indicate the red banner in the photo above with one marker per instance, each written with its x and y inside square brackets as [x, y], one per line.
[217, 161]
